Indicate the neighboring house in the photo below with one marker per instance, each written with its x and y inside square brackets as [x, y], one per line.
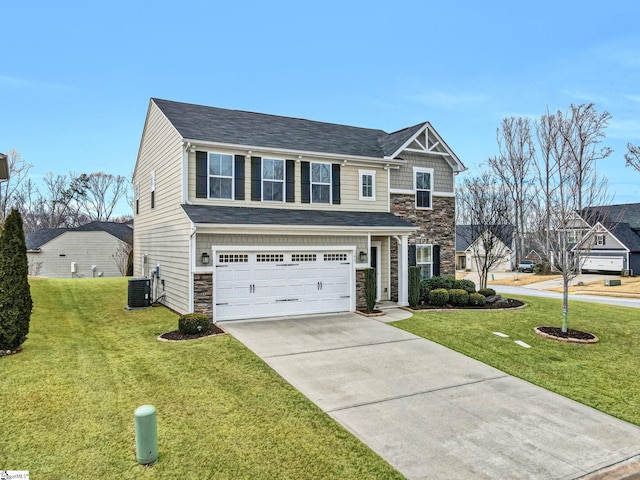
[4, 167]
[610, 239]
[469, 245]
[242, 215]
[91, 250]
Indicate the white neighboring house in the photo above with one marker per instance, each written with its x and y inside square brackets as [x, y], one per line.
[85, 251]
[467, 248]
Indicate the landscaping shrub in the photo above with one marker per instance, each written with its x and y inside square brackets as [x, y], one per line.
[439, 297]
[467, 285]
[370, 289]
[459, 297]
[542, 268]
[15, 292]
[487, 292]
[439, 282]
[414, 286]
[477, 300]
[193, 323]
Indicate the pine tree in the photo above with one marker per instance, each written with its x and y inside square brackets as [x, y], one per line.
[15, 293]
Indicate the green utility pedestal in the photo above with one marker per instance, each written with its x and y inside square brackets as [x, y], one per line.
[146, 434]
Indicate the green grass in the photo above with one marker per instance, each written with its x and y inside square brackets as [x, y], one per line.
[68, 400]
[604, 375]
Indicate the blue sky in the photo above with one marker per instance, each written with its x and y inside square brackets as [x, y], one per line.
[76, 77]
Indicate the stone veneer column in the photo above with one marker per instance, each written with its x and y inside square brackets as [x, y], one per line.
[361, 300]
[436, 226]
[203, 293]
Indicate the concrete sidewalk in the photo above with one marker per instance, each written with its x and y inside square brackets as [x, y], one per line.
[431, 412]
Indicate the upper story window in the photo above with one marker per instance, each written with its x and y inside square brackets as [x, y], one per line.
[423, 186]
[320, 183]
[220, 175]
[367, 185]
[273, 178]
[424, 260]
[574, 236]
[137, 197]
[153, 189]
[600, 239]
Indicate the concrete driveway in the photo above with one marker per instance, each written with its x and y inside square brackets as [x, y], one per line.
[431, 412]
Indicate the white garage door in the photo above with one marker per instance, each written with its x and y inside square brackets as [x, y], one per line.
[263, 283]
[607, 264]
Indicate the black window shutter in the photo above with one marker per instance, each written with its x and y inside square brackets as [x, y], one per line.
[335, 183]
[291, 180]
[305, 182]
[256, 179]
[239, 177]
[412, 255]
[201, 175]
[436, 260]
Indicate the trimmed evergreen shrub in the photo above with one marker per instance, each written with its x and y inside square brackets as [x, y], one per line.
[15, 292]
[459, 297]
[467, 285]
[414, 286]
[193, 323]
[370, 289]
[477, 300]
[439, 282]
[487, 292]
[439, 297]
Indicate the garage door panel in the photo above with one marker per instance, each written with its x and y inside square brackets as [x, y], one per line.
[264, 284]
[605, 263]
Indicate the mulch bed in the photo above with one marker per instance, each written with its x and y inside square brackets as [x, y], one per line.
[574, 336]
[4, 353]
[503, 303]
[176, 335]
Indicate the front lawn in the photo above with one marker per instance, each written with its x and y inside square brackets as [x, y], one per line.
[68, 400]
[603, 375]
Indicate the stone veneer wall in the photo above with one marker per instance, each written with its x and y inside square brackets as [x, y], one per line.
[203, 293]
[436, 227]
[361, 301]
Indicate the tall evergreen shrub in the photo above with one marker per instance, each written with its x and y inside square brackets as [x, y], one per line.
[15, 293]
[370, 289]
[414, 286]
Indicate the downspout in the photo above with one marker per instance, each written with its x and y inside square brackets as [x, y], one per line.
[185, 172]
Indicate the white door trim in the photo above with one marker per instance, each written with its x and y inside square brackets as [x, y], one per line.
[378, 246]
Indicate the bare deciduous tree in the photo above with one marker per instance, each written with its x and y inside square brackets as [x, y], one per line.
[633, 156]
[487, 208]
[101, 194]
[123, 257]
[18, 170]
[512, 166]
[568, 177]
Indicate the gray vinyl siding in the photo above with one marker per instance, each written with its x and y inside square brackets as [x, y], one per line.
[162, 233]
[610, 243]
[443, 173]
[85, 249]
[349, 186]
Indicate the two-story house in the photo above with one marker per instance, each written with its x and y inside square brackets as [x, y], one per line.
[244, 215]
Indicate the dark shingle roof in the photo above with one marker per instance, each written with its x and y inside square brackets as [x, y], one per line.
[622, 220]
[467, 234]
[122, 231]
[212, 214]
[198, 122]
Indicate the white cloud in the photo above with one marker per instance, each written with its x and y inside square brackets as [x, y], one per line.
[23, 83]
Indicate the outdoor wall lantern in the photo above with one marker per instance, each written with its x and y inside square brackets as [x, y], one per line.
[363, 257]
[205, 258]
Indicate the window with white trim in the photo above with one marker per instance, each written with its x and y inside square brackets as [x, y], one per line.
[424, 260]
[220, 175]
[423, 186]
[600, 239]
[153, 189]
[137, 197]
[367, 186]
[273, 175]
[320, 183]
[574, 236]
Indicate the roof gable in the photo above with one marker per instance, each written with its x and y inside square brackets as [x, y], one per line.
[121, 231]
[467, 235]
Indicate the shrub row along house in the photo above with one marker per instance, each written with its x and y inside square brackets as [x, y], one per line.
[243, 215]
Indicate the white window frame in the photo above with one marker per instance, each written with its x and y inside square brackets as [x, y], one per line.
[210, 176]
[417, 170]
[153, 189]
[361, 175]
[136, 195]
[600, 239]
[283, 181]
[312, 183]
[422, 264]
